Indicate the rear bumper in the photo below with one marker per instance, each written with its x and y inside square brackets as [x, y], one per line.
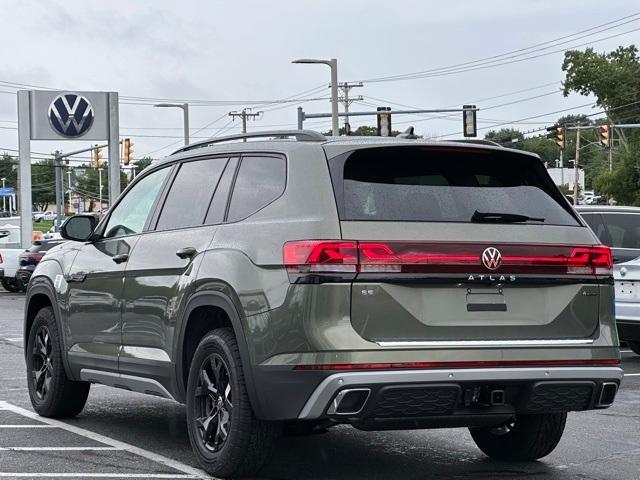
[459, 397]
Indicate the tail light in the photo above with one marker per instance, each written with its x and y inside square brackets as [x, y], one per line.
[312, 259]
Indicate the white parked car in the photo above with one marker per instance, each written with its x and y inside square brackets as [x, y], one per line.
[10, 250]
[627, 278]
[44, 216]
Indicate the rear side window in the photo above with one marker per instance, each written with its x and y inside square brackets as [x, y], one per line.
[260, 180]
[190, 194]
[438, 184]
[623, 230]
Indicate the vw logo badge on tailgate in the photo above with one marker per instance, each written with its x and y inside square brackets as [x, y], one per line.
[71, 115]
[491, 258]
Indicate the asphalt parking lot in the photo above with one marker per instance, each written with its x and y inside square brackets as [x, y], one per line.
[127, 435]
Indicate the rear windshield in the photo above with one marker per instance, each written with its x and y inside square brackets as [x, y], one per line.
[445, 184]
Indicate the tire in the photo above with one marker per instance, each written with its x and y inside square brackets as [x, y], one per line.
[634, 346]
[528, 438]
[51, 392]
[249, 442]
[12, 285]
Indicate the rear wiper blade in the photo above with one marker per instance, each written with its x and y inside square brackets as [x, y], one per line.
[497, 217]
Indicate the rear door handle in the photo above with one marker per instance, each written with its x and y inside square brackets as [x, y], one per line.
[123, 257]
[186, 252]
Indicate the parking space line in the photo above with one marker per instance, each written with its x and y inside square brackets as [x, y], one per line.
[27, 426]
[154, 457]
[56, 449]
[632, 374]
[96, 475]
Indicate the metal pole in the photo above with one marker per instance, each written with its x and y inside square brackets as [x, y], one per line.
[561, 168]
[611, 130]
[57, 165]
[575, 169]
[69, 181]
[24, 168]
[347, 127]
[100, 183]
[300, 118]
[4, 205]
[335, 129]
[185, 111]
[114, 149]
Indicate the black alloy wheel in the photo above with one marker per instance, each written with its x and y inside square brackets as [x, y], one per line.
[214, 403]
[42, 366]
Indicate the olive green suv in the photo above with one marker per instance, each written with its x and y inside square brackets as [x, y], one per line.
[295, 282]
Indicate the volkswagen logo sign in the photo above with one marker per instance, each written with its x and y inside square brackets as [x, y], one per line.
[71, 115]
[491, 258]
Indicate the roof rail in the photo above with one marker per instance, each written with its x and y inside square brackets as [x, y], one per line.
[299, 135]
[477, 141]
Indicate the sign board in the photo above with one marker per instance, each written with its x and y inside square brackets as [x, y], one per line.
[7, 191]
[59, 115]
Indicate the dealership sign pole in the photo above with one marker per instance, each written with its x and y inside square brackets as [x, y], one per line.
[68, 116]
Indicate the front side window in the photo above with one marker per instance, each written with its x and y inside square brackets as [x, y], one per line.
[190, 194]
[131, 213]
[259, 182]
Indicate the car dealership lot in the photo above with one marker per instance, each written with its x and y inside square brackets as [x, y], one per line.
[128, 435]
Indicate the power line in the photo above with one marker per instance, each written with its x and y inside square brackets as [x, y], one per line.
[471, 65]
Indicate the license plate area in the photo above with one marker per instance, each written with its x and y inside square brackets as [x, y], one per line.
[485, 300]
[627, 290]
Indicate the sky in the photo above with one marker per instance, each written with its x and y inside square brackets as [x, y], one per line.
[222, 56]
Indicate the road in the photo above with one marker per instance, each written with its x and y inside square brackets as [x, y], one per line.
[127, 435]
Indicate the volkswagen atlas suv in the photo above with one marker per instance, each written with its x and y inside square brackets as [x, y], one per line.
[298, 282]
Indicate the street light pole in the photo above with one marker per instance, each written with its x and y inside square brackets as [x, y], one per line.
[185, 114]
[4, 205]
[333, 64]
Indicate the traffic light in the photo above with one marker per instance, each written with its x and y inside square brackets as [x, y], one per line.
[128, 151]
[558, 134]
[97, 156]
[603, 131]
[469, 122]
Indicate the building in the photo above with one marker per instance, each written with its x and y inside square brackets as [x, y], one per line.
[566, 176]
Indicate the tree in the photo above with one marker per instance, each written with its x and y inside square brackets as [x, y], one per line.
[141, 164]
[87, 181]
[43, 184]
[614, 79]
[363, 131]
[504, 136]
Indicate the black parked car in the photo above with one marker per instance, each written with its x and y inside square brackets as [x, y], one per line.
[32, 256]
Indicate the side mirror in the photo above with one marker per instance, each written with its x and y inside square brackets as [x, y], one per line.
[78, 228]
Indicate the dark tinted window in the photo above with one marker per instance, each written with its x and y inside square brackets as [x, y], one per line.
[259, 182]
[190, 194]
[623, 229]
[221, 197]
[594, 220]
[440, 184]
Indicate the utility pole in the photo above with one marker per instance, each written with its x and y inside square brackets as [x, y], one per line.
[562, 168]
[346, 101]
[69, 178]
[611, 130]
[57, 165]
[244, 114]
[575, 168]
[100, 184]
